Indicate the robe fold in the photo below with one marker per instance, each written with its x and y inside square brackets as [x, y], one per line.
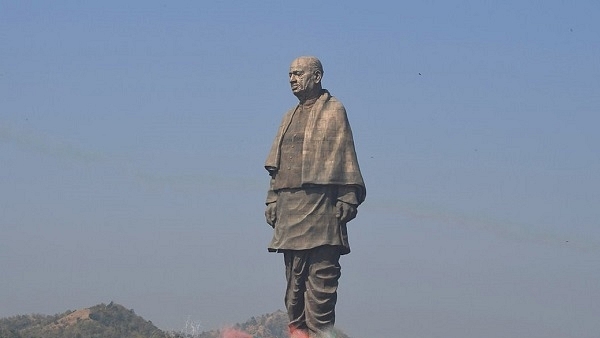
[328, 154]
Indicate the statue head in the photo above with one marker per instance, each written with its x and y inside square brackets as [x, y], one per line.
[305, 75]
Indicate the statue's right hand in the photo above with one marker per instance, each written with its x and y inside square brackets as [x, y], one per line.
[271, 213]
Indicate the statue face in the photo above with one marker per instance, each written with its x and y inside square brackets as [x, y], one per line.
[303, 79]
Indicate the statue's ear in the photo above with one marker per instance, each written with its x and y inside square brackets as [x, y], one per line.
[318, 76]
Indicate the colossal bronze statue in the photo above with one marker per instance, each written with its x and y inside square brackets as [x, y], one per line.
[315, 189]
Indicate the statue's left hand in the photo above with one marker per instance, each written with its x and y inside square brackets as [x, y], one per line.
[271, 213]
[345, 212]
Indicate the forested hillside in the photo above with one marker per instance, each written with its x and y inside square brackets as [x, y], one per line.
[116, 321]
[100, 321]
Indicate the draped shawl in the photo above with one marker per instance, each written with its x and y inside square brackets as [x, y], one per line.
[328, 154]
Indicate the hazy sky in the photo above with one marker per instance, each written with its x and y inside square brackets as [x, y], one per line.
[133, 136]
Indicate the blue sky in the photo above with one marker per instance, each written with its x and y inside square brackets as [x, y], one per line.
[133, 135]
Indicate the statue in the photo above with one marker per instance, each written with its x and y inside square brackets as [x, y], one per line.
[315, 190]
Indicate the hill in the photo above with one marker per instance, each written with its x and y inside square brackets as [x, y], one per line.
[273, 325]
[115, 321]
[100, 321]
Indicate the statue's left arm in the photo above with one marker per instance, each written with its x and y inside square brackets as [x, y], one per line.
[347, 203]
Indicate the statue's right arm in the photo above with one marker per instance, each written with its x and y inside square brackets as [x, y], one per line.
[271, 210]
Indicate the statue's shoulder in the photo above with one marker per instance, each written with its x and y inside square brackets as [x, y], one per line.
[288, 114]
[335, 105]
[290, 110]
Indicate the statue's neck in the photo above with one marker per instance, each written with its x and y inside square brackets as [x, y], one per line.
[310, 98]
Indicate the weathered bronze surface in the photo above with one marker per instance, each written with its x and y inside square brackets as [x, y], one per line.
[315, 189]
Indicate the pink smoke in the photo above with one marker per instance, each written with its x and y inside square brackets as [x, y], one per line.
[296, 333]
[233, 333]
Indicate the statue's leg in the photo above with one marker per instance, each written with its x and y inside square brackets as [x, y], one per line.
[296, 270]
[321, 289]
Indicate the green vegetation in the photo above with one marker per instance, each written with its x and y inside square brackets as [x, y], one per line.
[272, 325]
[100, 321]
[115, 321]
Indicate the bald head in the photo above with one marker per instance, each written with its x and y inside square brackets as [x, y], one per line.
[312, 62]
[305, 75]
